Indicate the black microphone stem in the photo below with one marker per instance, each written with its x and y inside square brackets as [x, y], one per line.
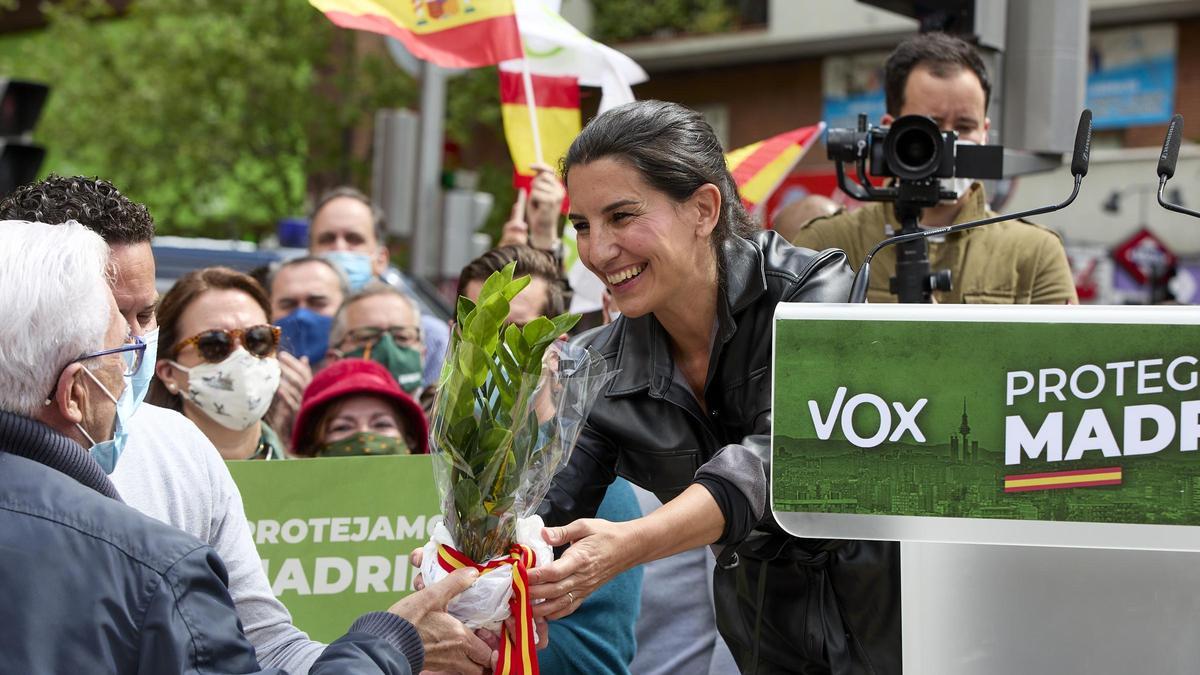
[1162, 185]
[858, 291]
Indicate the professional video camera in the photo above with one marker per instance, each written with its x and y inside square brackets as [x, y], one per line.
[920, 157]
[915, 152]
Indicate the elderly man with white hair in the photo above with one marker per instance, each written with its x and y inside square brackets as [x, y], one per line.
[168, 470]
[89, 584]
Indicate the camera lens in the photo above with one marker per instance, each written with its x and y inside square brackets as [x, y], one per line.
[913, 147]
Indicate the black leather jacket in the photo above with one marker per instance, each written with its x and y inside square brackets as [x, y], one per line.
[650, 429]
[821, 606]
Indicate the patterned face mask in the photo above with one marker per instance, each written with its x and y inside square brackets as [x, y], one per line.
[236, 392]
[364, 443]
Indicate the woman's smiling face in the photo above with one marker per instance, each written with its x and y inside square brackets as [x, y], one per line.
[647, 248]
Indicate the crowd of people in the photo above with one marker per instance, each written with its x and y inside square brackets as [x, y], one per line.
[117, 408]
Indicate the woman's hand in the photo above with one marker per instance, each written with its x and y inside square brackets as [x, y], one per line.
[600, 550]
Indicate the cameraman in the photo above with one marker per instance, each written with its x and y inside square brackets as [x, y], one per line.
[1014, 261]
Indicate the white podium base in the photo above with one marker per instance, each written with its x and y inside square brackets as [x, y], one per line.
[984, 610]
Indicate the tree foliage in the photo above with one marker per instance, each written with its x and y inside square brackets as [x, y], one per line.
[620, 20]
[212, 112]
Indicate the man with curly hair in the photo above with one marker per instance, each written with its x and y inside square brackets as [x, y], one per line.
[124, 224]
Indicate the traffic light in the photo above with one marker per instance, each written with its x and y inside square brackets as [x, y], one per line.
[21, 105]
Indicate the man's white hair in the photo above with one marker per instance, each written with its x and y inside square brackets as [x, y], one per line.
[55, 305]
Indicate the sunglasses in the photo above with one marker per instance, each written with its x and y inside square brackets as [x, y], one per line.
[216, 345]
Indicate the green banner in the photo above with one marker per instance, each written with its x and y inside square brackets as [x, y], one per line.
[335, 534]
[1063, 415]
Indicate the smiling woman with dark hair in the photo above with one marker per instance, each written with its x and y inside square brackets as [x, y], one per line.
[688, 416]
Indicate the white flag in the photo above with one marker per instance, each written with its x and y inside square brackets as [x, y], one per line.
[554, 47]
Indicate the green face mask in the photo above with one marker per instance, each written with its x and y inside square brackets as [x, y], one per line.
[364, 443]
[404, 363]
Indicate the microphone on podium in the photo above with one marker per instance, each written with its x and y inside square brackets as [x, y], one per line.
[1166, 165]
[1079, 168]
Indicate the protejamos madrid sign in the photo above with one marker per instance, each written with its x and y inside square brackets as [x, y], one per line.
[1074, 426]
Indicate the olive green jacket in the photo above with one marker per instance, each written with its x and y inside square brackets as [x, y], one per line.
[1013, 261]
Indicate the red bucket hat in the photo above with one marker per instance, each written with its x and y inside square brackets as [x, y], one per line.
[348, 377]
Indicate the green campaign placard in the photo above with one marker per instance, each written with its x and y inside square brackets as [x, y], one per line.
[335, 534]
[1025, 425]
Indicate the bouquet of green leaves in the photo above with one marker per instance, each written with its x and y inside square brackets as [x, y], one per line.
[509, 407]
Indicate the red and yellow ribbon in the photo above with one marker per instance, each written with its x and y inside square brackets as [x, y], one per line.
[518, 653]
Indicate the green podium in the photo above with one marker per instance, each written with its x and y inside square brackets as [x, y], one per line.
[1039, 465]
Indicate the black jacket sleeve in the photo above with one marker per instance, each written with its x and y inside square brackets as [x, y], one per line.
[580, 486]
[190, 626]
[738, 476]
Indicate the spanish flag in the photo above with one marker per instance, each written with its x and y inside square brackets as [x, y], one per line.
[760, 167]
[556, 103]
[1058, 480]
[449, 33]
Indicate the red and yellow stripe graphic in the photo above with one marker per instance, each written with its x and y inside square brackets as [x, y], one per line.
[449, 33]
[760, 167]
[1058, 480]
[518, 653]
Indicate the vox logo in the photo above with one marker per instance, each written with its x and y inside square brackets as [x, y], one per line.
[843, 410]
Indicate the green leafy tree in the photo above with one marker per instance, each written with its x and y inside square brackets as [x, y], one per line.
[213, 112]
[620, 20]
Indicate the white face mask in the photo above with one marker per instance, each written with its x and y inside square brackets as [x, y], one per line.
[236, 392]
[958, 186]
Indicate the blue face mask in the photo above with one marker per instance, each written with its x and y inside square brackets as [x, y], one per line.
[305, 333]
[356, 267]
[106, 453]
[140, 380]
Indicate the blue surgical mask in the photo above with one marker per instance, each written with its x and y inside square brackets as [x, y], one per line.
[305, 333]
[106, 453]
[356, 267]
[140, 380]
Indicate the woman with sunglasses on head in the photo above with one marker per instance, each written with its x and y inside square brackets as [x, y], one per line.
[216, 362]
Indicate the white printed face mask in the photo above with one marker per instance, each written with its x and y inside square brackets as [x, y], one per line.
[236, 392]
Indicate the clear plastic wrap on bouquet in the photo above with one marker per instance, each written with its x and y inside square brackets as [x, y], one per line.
[495, 464]
[510, 404]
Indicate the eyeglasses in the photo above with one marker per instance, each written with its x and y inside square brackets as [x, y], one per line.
[131, 353]
[217, 344]
[404, 336]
